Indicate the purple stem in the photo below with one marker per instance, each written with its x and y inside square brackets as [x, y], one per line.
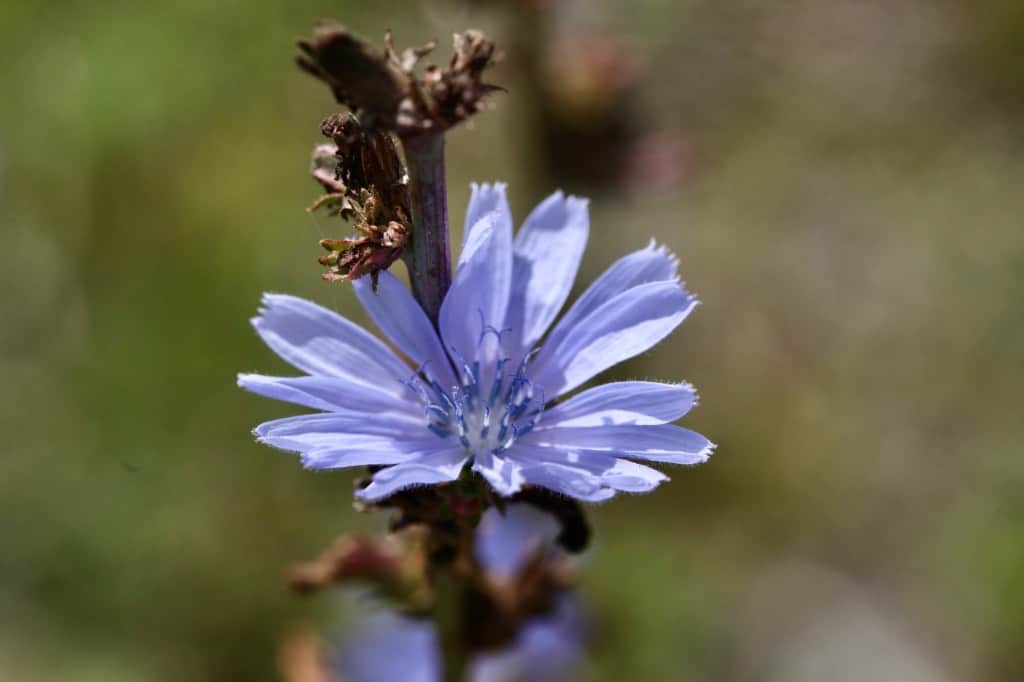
[427, 257]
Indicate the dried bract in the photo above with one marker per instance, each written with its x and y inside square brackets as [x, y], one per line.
[365, 184]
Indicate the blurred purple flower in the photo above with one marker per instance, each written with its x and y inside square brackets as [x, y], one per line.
[393, 647]
[481, 388]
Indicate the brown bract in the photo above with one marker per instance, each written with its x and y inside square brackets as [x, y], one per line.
[365, 184]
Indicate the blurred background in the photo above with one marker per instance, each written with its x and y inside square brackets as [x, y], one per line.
[841, 180]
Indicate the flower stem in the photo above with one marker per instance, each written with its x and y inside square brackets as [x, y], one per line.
[427, 256]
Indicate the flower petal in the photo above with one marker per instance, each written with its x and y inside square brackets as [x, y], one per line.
[631, 477]
[664, 443]
[440, 466]
[564, 470]
[320, 342]
[479, 294]
[624, 326]
[368, 653]
[653, 264]
[334, 394]
[397, 314]
[548, 250]
[503, 473]
[596, 463]
[506, 539]
[332, 429]
[608, 470]
[569, 481]
[625, 402]
[486, 198]
[370, 451]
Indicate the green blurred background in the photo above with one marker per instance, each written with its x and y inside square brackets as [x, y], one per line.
[842, 180]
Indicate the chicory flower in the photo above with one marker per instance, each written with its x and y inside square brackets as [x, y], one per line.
[488, 386]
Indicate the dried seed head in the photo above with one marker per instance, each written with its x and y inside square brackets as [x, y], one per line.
[361, 78]
[384, 88]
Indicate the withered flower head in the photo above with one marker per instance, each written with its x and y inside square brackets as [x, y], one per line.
[366, 184]
[383, 87]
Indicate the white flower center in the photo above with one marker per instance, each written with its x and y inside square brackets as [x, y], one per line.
[489, 410]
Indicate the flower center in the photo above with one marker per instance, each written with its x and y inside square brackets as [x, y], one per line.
[488, 410]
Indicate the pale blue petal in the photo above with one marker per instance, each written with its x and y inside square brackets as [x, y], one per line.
[369, 654]
[503, 473]
[653, 264]
[505, 540]
[632, 477]
[396, 313]
[486, 198]
[626, 325]
[330, 394]
[479, 293]
[592, 462]
[373, 451]
[442, 466]
[568, 471]
[319, 341]
[570, 481]
[548, 250]
[665, 443]
[625, 402]
[588, 471]
[331, 429]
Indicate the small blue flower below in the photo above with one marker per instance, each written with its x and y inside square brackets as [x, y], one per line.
[546, 649]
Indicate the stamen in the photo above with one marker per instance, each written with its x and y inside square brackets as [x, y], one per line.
[468, 410]
[436, 410]
[499, 378]
[439, 431]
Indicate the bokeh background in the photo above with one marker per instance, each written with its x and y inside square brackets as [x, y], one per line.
[842, 181]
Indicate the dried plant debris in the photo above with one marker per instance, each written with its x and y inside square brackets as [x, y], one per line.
[391, 567]
[383, 87]
[366, 185]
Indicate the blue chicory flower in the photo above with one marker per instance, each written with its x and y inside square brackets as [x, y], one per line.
[389, 646]
[483, 392]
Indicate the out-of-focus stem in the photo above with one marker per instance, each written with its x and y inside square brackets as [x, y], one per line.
[427, 255]
[448, 618]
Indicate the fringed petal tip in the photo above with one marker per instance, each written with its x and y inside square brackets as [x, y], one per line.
[576, 201]
[705, 454]
[687, 386]
[494, 186]
[663, 251]
[268, 301]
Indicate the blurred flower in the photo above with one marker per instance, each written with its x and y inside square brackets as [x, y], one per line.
[393, 647]
[481, 387]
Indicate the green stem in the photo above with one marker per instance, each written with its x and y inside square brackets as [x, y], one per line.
[427, 256]
[448, 619]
